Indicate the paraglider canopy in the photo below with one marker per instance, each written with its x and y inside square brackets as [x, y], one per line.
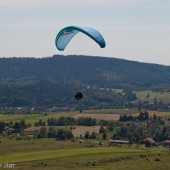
[66, 34]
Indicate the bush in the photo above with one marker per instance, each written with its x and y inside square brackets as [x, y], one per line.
[87, 135]
[63, 134]
[104, 136]
[42, 133]
[93, 135]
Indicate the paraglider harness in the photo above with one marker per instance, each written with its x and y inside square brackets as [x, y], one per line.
[79, 95]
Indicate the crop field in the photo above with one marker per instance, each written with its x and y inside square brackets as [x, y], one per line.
[110, 111]
[81, 130]
[157, 113]
[105, 114]
[99, 116]
[49, 154]
[115, 115]
[76, 130]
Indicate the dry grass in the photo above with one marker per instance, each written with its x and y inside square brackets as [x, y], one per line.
[110, 111]
[81, 130]
[76, 130]
[157, 113]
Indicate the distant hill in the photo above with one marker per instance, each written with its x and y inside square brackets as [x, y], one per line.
[48, 80]
[98, 71]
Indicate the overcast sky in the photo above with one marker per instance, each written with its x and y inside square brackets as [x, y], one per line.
[133, 29]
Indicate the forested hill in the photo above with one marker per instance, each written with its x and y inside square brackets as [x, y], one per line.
[53, 80]
[98, 71]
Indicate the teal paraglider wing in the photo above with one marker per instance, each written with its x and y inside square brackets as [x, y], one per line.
[66, 34]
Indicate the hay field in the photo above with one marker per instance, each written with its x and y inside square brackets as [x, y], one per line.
[157, 113]
[81, 130]
[110, 111]
[99, 116]
[76, 130]
[104, 114]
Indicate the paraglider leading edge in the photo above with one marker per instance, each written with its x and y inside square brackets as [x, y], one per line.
[67, 33]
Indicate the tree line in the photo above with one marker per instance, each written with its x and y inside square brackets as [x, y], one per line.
[63, 121]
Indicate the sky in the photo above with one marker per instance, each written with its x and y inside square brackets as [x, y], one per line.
[136, 30]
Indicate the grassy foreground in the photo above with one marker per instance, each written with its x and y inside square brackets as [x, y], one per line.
[97, 158]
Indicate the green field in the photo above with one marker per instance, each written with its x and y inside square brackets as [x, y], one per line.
[149, 95]
[32, 118]
[142, 95]
[49, 154]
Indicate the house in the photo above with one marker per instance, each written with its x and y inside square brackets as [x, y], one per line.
[149, 142]
[118, 142]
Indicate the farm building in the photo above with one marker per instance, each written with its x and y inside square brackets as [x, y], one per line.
[118, 142]
[149, 142]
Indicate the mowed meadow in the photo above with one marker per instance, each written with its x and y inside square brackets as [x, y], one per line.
[49, 154]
